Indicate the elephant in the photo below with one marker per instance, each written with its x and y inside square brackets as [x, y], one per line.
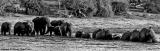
[108, 35]
[20, 29]
[63, 29]
[5, 27]
[95, 32]
[147, 35]
[126, 36]
[36, 25]
[78, 34]
[41, 25]
[102, 34]
[85, 35]
[135, 36]
[99, 34]
[57, 22]
[66, 28]
[30, 28]
[54, 23]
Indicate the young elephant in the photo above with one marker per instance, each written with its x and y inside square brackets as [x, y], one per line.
[53, 26]
[135, 35]
[126, 36]
[57, 31]
[102, 34]
[85, 35]
[66, 28]
[5, 27]
[29, 26]
[95, 32]
[19, 28]
[78, 34]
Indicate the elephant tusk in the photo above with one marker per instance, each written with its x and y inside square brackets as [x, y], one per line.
[60, 30]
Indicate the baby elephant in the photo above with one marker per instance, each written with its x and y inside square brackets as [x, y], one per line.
[5, 27]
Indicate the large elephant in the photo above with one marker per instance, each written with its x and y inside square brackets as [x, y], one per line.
[5, 27]
[41, 25]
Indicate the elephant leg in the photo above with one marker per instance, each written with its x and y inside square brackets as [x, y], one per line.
[64, 33]
[9, 32]
[14, 33]
[22, 34]
[2, 32]
[33, 33]
[19, 33]
[43, 30]
[27, 33]
[50, 33]
[69, 32]
[36, 32]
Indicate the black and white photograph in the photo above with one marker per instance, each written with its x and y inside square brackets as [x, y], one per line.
[79, 25]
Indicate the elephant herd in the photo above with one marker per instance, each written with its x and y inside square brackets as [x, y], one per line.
[144, 35]
[38, 26]
[43, 25]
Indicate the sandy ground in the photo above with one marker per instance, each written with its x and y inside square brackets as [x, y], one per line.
[47, 43]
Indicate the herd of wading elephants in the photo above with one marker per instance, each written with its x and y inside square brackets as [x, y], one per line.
[43, 25]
